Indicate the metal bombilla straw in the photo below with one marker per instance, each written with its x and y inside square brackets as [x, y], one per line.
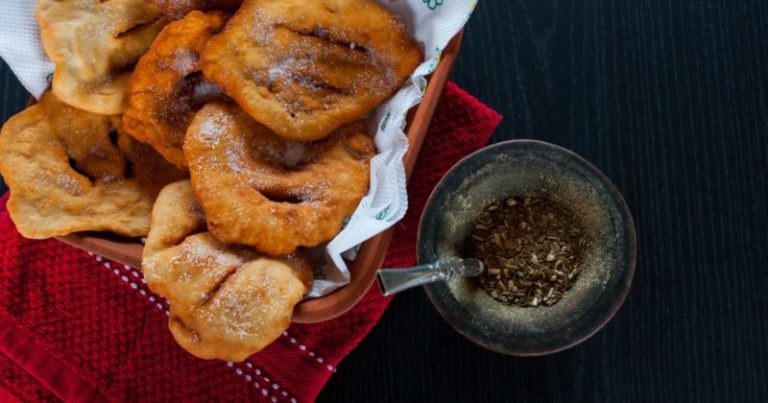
[392, 281]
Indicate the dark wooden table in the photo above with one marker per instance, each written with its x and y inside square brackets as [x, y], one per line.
[669, 99]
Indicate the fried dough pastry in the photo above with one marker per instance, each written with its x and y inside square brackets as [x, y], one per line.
[94, 45]
[167, 87]
[305, 68]
[70, 170]
[179, 8]
[274, 194]
[226, 302]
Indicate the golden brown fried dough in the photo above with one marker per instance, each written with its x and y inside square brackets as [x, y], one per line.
[179, 8]
[305, 68]
[274, 194]
[69, 170]
[94, 45]
[226, 302]
[167, 87]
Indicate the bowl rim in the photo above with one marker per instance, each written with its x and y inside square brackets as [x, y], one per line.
[614, 193]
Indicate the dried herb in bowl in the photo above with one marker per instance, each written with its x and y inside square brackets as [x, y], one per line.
[533, 249]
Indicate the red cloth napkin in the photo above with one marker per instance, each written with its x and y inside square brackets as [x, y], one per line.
[77, 327]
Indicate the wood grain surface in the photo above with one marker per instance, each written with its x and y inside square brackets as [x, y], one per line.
[670, 99]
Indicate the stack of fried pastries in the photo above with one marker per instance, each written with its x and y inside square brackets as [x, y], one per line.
[229, 133]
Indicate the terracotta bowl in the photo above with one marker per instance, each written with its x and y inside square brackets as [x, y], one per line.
[530, 168]
[372, 252]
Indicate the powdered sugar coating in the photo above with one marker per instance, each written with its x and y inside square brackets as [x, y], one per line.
[185, 61]
[67, 175]
[226, 301]
[211, 130]
[305, 69]
[167, 87]
[274, 194]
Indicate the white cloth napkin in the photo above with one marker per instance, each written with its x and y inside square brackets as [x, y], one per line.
[431, 22]
[20, 45]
